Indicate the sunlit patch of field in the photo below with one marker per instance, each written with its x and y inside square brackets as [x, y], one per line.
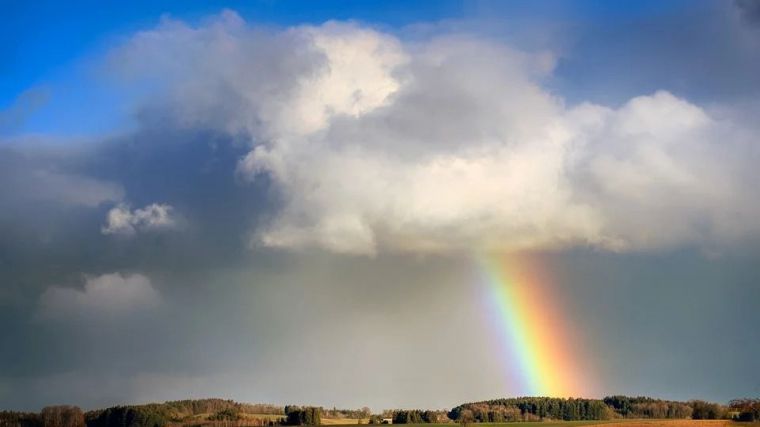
[681, 423]
[549, 423]
[343, 421]
[517, 424]
[606, 423]
[273, 417]
[204, 417]
[541, 424]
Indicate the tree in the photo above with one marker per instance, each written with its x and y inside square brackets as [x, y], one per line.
[466, 416]
[128, 416]
[309, 415]
[702, 410]
[62, 416]
[228, 414]
[20, 419]
[748, 409]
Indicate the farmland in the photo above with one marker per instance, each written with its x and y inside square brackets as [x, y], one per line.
[606, 423]
[612, 411]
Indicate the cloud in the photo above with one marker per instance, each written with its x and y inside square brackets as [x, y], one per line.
[73, 189]
[749, 9]
[448, 144]
[23, 106]
[122, 220]
[458, 145]
[112, 294]
[30, 176]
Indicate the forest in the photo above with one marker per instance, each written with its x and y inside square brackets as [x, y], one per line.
[540, 408]
[228, 413]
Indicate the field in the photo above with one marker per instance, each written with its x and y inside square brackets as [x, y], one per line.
[354, 422]
[607, 423]
[250, 419]
[680, 423]
[272, 417]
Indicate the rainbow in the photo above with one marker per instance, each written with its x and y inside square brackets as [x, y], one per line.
[542, 349]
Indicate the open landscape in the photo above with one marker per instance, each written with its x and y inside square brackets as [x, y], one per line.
[432, 213]
[612, 411]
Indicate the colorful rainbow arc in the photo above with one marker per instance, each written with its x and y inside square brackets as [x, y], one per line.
[536, 330]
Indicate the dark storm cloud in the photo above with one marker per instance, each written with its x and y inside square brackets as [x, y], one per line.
[29, 177]
[47, 247]
[54, 202]
[55, 196]
[750, 10]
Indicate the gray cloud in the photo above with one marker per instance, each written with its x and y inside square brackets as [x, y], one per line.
[112, 294]
[71, 189]
[28, 177]
[750, 10]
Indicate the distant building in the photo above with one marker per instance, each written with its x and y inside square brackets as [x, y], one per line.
[387, 420]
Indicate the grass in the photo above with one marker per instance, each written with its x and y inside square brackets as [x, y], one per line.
[273, 417]
[549, 423]
[351, 422]
[519, 424]
[243, 415]
[608, 423]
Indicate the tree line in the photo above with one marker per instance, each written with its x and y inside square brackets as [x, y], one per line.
[543, 408]
[647, 407]
[227, 413]
[174, 413]
[531, 409]
[50, 416]
[410, 416]
[362, 413]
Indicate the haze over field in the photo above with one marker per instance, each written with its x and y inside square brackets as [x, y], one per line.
[383, 204]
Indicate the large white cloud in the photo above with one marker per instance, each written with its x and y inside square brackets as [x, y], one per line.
[112, 294]
[448, 144]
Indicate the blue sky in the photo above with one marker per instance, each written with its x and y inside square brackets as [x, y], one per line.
[51, 47]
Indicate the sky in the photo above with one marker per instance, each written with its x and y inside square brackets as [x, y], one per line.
[386, 204]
